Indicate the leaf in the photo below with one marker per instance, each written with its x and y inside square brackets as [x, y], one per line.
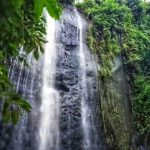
[17, 3]
[15, 116]
[53, 8]
[15, 98]
[36, 54]
[38, 7]
[6, 112]
[41, 49]
[25, 105]
[1, 55]
[3, 70]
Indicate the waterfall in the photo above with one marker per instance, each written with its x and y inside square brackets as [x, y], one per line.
[85, 111]
[62, 89]
[20, 73]
[49, 124]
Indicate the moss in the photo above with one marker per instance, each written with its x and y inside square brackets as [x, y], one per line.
[122, 28]
[116, 128]
[107, 27]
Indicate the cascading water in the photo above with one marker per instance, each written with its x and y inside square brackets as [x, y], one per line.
[84, 106]
[90, 138]
[49, 124]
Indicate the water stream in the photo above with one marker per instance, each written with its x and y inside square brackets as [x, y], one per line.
[49, 124]
[84, 107]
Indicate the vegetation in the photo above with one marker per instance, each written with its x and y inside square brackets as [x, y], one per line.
[117, 28]
[121, 28]
[21, 26]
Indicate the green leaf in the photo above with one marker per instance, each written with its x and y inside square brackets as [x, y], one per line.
[25, 105]
[6, 112]
[53, 8]
[3, 70]
[41, 49]
[15, 116]
[15, 98]
[38, 7]
[36, 54]
[17, 3]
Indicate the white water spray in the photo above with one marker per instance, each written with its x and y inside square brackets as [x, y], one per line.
[49, 124]
[84, 107]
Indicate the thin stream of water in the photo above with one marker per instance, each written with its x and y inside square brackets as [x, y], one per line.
[84, 107]
[49, 124]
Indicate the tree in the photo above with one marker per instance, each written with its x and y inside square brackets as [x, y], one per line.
[21, 25]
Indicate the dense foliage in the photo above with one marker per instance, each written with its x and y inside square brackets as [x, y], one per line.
[121, 28]
[21, 26]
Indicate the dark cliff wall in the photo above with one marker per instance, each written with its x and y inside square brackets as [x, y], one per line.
[115, 102]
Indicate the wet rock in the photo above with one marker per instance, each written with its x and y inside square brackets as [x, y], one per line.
[69, 34]
[90, 73]
[61, 86]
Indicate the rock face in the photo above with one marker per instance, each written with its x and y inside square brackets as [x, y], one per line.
[68, 83]
[116, 107]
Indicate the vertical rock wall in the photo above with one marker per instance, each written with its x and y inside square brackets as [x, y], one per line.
[68, 82]
[115, 100]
